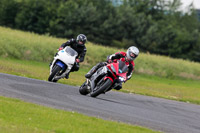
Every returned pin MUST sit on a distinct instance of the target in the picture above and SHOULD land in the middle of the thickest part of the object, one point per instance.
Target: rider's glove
(61, 48)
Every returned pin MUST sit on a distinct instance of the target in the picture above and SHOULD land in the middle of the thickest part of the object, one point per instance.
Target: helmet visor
(81, 42)
(132, 55)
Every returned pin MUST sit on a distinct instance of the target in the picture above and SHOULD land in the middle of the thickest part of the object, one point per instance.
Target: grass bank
(28, 46)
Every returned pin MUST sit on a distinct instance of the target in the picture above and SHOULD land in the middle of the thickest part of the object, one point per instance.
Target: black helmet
(81, 39)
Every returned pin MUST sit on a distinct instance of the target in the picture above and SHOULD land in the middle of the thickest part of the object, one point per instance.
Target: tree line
(154, 26)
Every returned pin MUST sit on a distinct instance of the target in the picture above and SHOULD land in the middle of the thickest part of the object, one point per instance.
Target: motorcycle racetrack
(154, 113)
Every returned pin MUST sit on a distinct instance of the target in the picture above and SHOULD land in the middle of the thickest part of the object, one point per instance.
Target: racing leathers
(80, 49)
(122, 56)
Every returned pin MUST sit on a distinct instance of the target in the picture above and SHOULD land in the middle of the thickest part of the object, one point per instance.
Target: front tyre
(55, 72)
(101, 88)
(83, 89)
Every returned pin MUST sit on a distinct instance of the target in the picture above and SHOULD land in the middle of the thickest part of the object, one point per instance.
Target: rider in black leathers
(78, 45)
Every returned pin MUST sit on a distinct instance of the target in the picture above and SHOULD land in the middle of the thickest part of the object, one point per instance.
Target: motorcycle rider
(127, 57)
(78, 45)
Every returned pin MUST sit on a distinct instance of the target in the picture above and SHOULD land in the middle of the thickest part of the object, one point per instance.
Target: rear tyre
(101, 89)
(55, 80)
(55, 71)
(83, 89)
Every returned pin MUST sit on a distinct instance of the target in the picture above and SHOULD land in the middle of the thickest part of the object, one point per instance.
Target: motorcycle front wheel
(101, 88)
(55, 71)
(83, 89)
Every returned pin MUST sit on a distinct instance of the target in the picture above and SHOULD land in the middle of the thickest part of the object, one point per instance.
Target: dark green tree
(34, 16)
(8, 11)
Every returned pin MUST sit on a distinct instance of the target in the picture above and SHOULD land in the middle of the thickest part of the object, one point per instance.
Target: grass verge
(17, 116)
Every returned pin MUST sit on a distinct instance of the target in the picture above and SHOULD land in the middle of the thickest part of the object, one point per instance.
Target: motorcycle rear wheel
(55, 71)
(107, 83)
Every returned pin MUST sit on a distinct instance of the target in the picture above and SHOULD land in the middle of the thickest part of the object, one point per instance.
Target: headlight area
(121, 79)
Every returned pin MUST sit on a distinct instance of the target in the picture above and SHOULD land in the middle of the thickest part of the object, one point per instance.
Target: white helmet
(132, 53)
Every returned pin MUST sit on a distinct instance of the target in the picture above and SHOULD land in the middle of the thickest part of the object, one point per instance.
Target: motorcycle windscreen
(122, 67)
(71, 51)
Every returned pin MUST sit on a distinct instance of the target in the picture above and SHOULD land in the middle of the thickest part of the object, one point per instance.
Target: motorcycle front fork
(88, 86)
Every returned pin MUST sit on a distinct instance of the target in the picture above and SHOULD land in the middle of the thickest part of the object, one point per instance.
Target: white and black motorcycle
(62, 64)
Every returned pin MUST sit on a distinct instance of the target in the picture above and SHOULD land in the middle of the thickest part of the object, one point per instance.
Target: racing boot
(91, 72)
(67, 76)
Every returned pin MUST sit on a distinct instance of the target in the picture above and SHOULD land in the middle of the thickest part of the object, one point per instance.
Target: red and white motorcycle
(104, 79)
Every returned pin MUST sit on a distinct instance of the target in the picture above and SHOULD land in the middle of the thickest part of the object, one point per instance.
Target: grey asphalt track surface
(154, 113)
